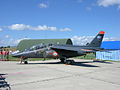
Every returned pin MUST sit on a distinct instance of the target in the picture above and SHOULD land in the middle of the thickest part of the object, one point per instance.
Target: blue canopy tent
(111, 45)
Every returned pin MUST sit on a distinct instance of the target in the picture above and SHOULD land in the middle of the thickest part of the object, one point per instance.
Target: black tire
(69, 62)
(62, 60)
(25, 62)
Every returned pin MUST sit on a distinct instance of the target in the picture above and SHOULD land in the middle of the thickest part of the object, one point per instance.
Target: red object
(101, 32)
(4, 53)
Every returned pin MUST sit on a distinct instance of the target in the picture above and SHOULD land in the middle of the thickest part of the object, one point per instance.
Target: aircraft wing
(70, 51)
(62, 47)
(65, 51)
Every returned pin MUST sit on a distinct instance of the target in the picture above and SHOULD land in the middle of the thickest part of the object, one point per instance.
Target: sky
(56, 19)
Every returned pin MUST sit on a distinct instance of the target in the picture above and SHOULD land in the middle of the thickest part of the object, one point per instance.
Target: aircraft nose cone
(16, 55)
(21, 54)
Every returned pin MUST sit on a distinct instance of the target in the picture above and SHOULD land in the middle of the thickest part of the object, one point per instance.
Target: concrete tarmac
(52, 75)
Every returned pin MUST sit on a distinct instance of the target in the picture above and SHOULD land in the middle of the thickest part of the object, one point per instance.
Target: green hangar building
(27, 43)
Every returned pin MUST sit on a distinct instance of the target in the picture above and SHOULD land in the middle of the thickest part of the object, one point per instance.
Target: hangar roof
(27, 43)
(111, 44)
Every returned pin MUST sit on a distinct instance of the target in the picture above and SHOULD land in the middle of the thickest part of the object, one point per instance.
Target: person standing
(1, 51)
(7, 54)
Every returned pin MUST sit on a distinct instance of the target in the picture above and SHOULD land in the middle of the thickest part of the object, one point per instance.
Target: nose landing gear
(23, 59)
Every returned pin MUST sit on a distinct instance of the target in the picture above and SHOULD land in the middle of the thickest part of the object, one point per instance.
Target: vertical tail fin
(96, 42)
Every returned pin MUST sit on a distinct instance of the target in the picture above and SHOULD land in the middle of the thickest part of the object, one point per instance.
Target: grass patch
(30, 59)
(39, 59)
(88, 56)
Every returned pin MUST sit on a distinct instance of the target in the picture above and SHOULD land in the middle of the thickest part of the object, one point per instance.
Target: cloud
(1, 29)
(43, 5)
(1, 42)
(119, 7)
(65, 29)
(83, 40)
(7, 36)
(106, 3)
(88, 8)
(11, 42)
(43, 28)
(18, 40)
(111, 39)
(20, 27)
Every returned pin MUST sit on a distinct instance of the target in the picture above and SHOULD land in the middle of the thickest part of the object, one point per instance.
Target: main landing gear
(24, 60)
(65, 61)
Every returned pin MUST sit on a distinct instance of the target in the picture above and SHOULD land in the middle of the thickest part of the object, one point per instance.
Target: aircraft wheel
(69, 62)
(25, 62)
(63, 60)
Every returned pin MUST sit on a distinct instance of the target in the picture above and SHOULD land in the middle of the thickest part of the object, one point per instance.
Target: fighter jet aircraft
(63, 52)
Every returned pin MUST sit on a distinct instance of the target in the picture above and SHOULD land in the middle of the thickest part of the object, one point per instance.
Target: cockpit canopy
(40, 46)
(35, 47)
